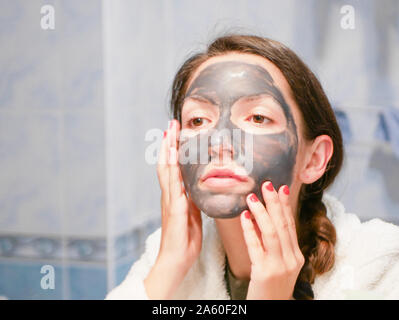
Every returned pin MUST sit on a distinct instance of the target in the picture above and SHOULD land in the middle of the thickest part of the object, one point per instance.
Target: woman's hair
(316, 233)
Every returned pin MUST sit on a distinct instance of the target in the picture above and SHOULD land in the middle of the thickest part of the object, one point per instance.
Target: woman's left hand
(271, 238)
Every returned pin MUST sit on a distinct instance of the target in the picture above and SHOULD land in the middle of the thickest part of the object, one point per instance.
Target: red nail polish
(269, 186)
(164, 133)
(286, 190)
(253, 197)
(247, 214)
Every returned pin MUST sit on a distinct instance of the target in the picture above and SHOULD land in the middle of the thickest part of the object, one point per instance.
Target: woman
(259, 229)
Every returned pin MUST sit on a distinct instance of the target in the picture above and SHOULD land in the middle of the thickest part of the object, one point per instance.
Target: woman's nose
(221, 147)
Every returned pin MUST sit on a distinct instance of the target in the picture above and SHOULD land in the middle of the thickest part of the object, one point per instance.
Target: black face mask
(273, 154)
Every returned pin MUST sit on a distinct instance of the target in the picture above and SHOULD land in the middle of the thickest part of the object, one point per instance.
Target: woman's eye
(197, 122)
(259, 119)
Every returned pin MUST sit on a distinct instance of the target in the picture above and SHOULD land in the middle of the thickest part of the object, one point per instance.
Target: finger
(258, 232)
(174, 127)
(269, 235)
(275, 210)
(195, 219)
(162, 166)
(175, 183)
(284, 192)
(254, 245)
(183, 188)
(175, 178)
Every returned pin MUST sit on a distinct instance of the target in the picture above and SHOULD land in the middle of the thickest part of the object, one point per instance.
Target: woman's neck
(231, 234)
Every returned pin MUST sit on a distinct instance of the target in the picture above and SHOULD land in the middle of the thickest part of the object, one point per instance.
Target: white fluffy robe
(366, 263)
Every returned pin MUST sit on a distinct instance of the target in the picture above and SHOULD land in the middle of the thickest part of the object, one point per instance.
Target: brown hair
(316, 233)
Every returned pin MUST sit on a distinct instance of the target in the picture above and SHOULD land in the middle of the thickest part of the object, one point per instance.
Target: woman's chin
(223, 206)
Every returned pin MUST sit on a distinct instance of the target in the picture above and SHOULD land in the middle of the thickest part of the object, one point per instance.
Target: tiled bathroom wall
(80, 104)
(52, 190)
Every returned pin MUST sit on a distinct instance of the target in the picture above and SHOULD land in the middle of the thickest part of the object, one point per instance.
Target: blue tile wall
(87, 282)
(123, 268)
(21, 280)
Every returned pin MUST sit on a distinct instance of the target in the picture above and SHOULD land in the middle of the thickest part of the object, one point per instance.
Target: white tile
(30, 173)
(84, 178)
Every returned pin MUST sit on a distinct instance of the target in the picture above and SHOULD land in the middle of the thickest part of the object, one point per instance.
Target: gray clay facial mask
(222, 85)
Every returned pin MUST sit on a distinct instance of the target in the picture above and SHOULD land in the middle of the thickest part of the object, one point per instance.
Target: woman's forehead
(274, 72)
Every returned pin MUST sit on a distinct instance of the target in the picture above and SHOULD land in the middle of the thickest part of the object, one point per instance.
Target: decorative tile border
(76, 249)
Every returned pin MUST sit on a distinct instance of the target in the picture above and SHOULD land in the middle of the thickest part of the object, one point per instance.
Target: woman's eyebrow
(255, 97)
(203, 99)
(260, 97)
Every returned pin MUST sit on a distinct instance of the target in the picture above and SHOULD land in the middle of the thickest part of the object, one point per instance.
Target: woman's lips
(222, 178)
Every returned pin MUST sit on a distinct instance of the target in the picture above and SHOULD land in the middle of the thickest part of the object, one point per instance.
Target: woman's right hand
(181, 238)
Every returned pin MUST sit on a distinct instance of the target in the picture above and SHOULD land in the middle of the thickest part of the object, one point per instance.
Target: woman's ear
(318, 156)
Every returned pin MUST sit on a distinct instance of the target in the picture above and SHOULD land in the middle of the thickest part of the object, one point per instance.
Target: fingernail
(253, 197)
(171, 124)
(286, 190)
(164, 133)
(269, 186)
(247, 214)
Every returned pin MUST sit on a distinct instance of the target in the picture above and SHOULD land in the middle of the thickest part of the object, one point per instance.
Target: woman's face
(239, 129)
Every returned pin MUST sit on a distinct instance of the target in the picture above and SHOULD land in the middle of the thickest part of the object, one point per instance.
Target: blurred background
(79, 93)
